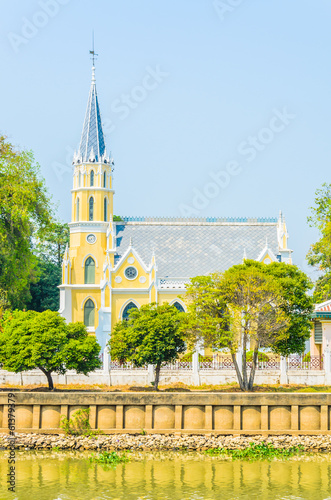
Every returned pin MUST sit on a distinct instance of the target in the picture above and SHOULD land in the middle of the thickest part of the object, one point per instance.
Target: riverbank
(320, 443)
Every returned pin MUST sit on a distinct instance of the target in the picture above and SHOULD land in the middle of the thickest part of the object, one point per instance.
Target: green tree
(236, 308)
(319, 254)
(151, 335)
(30, 340)
(44, 291)
(25, 213)
(297, 304)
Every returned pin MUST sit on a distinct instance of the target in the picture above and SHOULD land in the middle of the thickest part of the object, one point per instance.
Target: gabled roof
(186, 248)
(92, 144)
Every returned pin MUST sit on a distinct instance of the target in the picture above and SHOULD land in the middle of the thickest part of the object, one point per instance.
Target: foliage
(151, 335)
(30, 340)
(25, 213)
(188, 357)
(297, 304)
(307, 357)
(117, 218)
(319, 254)
(78, 424)
(262, 451)
(262, 356)
(230, 309)
(45, 293)
(109, 458)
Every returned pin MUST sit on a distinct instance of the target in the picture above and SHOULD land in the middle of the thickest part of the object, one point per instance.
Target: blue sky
(190, 91)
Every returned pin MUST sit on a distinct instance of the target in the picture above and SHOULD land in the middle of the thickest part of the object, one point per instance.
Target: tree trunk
(254, 363)
(157, 375)
(239, 376)
(244, 363)
(49, 378)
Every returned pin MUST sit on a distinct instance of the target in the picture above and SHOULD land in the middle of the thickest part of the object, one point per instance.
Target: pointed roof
(92, 144)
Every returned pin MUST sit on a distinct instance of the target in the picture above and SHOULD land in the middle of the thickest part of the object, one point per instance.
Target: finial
(94, 55)
(266, 241)
(244, 256)
(130, 241)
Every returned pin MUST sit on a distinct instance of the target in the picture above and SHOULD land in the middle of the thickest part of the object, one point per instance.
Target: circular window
(91, 238)
(131, 273)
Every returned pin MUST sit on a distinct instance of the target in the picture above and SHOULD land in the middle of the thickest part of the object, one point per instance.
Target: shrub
(262, 356)
(78, 424)
(307, 357)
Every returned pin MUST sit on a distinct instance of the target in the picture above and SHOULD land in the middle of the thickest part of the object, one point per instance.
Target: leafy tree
(297, 304)
(30, 340)
(319, 254)
(25, 213)
(151, 335)
(44, 291)
(232, 309)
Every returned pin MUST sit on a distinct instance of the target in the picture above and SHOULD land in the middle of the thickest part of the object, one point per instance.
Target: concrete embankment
(161, 442)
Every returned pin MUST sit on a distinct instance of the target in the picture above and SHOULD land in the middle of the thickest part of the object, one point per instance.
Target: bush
(262, 356)
(78, 424)
(307, 357)
(188, 357)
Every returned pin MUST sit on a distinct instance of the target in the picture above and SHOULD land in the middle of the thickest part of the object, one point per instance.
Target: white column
(327, 364)
(106, 365)
(195, 368)
(283, 371)
(150, 374)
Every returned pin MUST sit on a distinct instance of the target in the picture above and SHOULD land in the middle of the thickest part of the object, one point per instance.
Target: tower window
(127, 309)
(90, 208)
(104, 179)
(89, 313)
(105, 203)
(77, 210)
(79, 179)
(92, 178)
(89, 271)
(179, 307)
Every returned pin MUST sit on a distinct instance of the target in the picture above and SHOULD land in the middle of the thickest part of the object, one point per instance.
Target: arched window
(77, 209)
(104, 179)
(179, 307)
(89, 271)
(105, 203)
(79, 179)
(89, 313)
(92, 178)
(90, 208)
(127, 309)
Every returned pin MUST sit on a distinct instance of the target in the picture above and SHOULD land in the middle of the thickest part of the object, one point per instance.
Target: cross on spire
(92, 52)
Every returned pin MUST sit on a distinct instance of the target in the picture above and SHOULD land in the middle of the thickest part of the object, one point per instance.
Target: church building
(112, 265)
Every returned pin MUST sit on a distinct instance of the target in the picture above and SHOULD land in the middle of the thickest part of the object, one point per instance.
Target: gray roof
(92, 144)
(187, 248)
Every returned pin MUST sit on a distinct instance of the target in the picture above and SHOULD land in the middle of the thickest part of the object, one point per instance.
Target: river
(164, 476)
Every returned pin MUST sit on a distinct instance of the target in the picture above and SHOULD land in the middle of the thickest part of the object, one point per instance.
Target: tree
(44, 290)
(297, 304)
(232, 309)
(25, 213)
(319, 254)
(30, 340)
(151, 335)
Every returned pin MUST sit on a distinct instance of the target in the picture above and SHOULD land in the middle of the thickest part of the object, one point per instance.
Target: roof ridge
(200, 219)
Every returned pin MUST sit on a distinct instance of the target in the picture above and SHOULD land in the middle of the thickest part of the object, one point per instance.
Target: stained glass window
(89, 313)
(91, 207)
(130, 272)
(127, 309)
(92, 178)
(77, 210)
(105, 209)
(104, 179)
(89, 271)
(179, 307)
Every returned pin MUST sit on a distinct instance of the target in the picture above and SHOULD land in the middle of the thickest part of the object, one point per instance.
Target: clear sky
(211, 108)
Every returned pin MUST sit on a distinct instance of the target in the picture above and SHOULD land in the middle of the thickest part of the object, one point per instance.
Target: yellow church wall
(79, 298)
(80, 249)
(171, 297)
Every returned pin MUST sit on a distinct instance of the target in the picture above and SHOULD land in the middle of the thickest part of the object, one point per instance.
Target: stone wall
(221, 413)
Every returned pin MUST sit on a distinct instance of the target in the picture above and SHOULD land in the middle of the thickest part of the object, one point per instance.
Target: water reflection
(66, 476)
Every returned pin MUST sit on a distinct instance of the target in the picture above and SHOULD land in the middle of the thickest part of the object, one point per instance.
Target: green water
(69, 475)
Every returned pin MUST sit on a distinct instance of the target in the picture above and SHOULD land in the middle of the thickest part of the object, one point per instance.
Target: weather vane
(94, 55)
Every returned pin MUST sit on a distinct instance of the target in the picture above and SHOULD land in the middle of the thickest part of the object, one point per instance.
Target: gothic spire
(92, 144)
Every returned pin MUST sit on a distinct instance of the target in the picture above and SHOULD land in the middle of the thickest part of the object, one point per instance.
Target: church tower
(84, 293)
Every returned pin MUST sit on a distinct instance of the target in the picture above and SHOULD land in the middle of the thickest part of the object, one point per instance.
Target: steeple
(92, 144)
